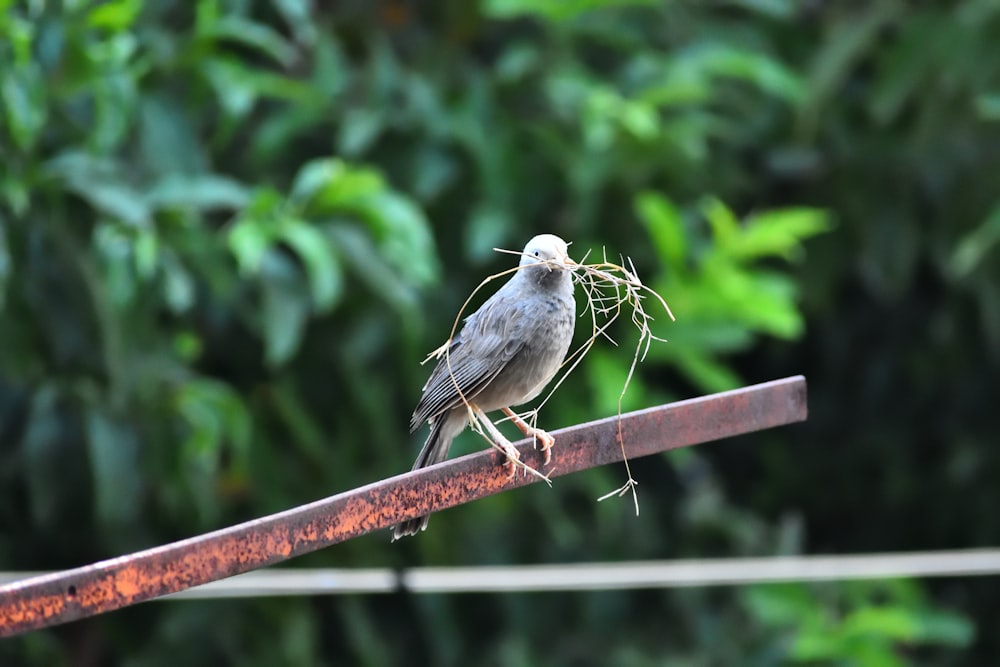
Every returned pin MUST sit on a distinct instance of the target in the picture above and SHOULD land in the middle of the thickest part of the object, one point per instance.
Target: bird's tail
(435, 450)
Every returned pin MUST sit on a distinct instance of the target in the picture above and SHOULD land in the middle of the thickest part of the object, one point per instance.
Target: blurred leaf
(971, 248)
(778, 232)
(178, 285)
(607, 377)
(665, 226)
(359, 129)
(371, 268)
(780, 604)
(118, 201)
(725, 226)
(298, 16)
(330, 185)
(248, 33)
(487, 230)
(763, 72)
(42, 447)
(187, 345)
(552, 10)
(239, 87)
(24, 103)
(945, 628)
(249, 240)
(403, 235)
(205, 192)
(114, 15)
(113, 246)
(888, 622)
(845, 42)
(711, 376)
(115, 467)
(115, 97)
(215, 417)
(988, 106)
(167, 139)
(321, 261)
(285, 308)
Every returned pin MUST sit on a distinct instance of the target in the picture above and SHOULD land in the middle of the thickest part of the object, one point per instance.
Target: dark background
(230, 231)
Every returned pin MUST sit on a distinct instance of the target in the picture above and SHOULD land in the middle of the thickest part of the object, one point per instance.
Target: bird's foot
(498, 440)
(546, 441)
(536, 434)
(513, 459)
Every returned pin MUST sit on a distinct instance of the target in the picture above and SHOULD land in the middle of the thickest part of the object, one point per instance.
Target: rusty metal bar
(119, 582)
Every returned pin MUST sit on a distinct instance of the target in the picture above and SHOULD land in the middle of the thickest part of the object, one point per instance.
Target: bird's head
(549, 250)
(546, 259)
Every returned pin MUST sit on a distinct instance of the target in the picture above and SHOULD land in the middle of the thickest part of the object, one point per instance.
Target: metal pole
(119, 582)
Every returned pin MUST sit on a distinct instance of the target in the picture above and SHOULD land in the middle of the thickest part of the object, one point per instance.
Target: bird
(504, 355)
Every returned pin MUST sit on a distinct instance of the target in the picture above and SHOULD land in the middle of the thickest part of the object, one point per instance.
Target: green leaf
(607, 377)
(215, 416)
(298, 16)
(706, 373)
(403, 235)
(168, 141)
(178, 285)
(973, 247)
(116, 200)
(205, 192)
(780, 604)
(778, 232)
(115, 466)
(359, 129)
(187, 346)
(114, 15)
(113, 247)
(487, 229)
(115, 100)
(765, 73)
(22, 90)
(42, 449)
(285, 309)
(894, 623)
(248, 33)
(988, 106)
(371, 268)
(665, 226)
(944, 627)
(552, 10)
(330, 185)
(249, 239)
(320, 259)
(725, 226)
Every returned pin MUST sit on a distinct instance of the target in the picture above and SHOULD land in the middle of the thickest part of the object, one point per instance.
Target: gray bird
(504, 355)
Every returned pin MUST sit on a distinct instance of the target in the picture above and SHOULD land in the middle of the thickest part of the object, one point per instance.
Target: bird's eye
(537, 253)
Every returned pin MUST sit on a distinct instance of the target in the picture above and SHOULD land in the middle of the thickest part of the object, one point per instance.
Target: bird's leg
(498, 440)
(534, 433)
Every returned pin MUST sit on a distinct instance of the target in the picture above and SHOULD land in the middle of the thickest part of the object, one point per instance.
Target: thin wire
(593, 576)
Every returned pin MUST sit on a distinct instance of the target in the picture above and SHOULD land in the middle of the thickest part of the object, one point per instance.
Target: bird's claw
(513, 458)
(544, 442)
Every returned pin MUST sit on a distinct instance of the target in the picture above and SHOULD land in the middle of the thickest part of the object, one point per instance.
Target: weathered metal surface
(119, 582)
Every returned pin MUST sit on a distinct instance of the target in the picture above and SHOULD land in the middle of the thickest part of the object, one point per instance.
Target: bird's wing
(489, 339)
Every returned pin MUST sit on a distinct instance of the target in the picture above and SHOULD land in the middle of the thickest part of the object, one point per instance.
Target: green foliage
(229, 230)
(718, 285)
(858, 623)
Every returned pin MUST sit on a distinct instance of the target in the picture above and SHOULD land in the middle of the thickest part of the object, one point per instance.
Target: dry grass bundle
(610, 289)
